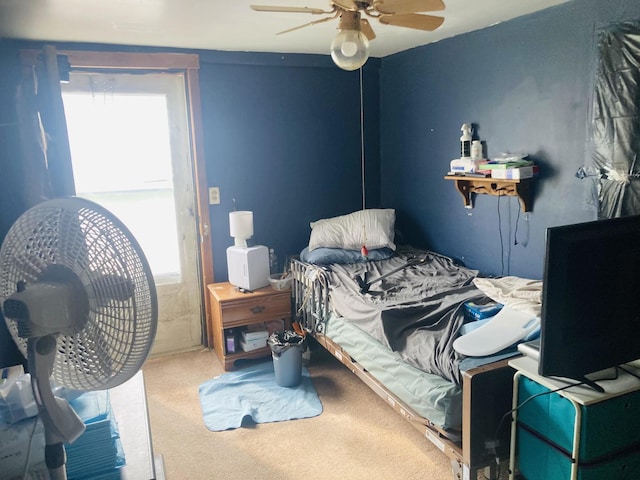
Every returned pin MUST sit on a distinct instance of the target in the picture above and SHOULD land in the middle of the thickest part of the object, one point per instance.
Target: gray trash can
(286, 350)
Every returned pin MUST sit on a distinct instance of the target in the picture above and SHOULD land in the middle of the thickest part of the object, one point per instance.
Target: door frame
(189, 64)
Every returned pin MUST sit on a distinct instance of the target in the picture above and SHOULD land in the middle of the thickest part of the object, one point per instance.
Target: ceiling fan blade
(365, 28)
(322, 20)
(268, 8)
(413, 20)
(408, 6)
(346, 4)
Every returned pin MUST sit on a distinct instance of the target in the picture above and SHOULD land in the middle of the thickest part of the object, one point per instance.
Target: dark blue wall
(11, 200)
(282, 138)
(527, 87)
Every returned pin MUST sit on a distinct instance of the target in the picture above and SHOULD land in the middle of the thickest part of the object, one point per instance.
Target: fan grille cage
(99, 250)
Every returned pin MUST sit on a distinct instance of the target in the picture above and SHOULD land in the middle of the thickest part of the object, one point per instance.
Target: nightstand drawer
(256, 310)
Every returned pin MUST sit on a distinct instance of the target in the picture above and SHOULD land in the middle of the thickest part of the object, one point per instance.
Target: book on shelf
(475, 174)
(518, 173)
(495, 165)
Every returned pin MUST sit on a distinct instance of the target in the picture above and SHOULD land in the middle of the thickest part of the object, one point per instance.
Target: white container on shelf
(476, 150)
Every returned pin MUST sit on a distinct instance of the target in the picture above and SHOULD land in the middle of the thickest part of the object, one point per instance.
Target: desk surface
(129, 404)
(625, 383)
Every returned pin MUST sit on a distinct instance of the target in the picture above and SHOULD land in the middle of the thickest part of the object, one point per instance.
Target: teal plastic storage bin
(609, 436)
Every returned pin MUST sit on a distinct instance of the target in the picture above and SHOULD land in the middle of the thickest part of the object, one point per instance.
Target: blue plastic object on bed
(253, 394)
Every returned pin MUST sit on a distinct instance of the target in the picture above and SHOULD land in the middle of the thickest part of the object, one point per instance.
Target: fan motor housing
(47, 308)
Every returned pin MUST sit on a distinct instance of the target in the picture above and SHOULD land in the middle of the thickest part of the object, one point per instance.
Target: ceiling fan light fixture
(350, 49)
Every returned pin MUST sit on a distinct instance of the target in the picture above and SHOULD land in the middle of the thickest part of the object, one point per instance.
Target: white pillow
(373, 228)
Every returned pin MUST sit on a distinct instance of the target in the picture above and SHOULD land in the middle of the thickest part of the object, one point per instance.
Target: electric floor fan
(79, 300)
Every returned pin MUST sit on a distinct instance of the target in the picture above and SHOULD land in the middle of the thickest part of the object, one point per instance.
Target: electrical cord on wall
(504, 244)
(515, 233)
(501, 239)
(509, 225)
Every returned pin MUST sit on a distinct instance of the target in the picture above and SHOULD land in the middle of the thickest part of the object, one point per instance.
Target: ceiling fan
(350, 48)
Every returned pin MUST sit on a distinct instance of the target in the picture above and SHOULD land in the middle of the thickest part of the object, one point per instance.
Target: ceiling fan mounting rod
(364, 5)
(349, 21)
(354, 5)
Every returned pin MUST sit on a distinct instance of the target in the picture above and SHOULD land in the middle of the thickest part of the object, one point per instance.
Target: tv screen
(590, 297)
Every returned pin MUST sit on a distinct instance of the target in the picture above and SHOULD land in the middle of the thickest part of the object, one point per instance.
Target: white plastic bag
(16, 400)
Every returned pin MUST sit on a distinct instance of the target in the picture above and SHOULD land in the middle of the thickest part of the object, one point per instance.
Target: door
(130, 149)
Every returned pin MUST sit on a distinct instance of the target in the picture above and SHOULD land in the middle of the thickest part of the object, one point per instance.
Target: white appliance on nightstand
(248, 267)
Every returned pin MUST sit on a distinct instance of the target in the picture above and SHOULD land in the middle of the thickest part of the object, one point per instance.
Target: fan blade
(306, 25)
(346, 4)
(267, 8)
(413, 20)
(408, 6)
(365, 28)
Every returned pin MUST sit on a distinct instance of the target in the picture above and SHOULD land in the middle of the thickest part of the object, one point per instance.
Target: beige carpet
(358, 436)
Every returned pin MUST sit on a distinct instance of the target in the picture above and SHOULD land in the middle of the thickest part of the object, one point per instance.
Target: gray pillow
(327, 256)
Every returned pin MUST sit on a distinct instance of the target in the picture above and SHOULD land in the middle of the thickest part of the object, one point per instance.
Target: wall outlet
(214, 195)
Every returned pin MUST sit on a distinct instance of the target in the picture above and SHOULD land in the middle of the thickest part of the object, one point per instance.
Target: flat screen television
(590, 298)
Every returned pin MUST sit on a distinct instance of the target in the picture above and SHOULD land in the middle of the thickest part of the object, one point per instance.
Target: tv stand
(590, 383)
(598, 440)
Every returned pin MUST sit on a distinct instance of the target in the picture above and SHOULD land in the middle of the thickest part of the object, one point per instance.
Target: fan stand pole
(55, 457)
(61, 423)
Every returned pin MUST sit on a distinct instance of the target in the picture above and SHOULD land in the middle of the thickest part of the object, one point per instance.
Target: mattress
(415, 311)
(427, 394)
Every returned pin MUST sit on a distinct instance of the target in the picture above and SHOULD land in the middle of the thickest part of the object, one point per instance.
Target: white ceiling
(231, 25)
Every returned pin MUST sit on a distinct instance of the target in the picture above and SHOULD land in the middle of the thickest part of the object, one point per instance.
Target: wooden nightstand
(232, 309)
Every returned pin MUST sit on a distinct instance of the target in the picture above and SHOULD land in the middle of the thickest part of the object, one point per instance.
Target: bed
(397, 336)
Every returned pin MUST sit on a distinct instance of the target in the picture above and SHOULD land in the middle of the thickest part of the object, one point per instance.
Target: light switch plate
(214, 195)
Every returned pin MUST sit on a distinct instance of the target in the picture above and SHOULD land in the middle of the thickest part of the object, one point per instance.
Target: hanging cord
(515, 234)
(509, 226)
(27, 462)
(364, 203)
(501, 239)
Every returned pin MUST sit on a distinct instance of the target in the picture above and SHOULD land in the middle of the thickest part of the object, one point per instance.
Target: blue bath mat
(253, 393)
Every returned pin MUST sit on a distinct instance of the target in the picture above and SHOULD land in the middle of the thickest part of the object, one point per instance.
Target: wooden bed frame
(486, 392)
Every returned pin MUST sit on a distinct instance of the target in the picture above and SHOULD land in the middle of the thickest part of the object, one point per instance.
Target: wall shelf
(493, 186)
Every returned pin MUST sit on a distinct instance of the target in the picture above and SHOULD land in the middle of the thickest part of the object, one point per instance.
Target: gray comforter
(416, 312)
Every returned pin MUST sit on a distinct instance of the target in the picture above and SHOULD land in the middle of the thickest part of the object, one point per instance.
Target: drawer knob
(257, 309)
